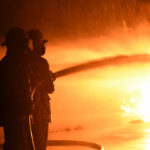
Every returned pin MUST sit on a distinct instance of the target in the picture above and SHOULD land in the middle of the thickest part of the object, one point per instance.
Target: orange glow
(139, 102)
(105, 85)
(110, 103)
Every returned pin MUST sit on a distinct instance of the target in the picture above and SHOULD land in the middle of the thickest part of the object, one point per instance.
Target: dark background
(67, 19)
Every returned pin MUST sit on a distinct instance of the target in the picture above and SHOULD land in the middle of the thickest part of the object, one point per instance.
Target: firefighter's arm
(51, 82)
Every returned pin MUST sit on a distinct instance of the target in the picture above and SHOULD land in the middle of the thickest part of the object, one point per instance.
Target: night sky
(67, 19)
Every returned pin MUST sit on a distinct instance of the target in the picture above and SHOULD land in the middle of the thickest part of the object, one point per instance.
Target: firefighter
(42, 83)
(15, 99)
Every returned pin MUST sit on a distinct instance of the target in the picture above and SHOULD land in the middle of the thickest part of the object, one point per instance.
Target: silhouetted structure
(15, 99)
(42, 85)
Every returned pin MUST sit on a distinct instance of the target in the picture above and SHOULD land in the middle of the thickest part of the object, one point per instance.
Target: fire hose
(70, 143)
(108, 61)
(73, 143)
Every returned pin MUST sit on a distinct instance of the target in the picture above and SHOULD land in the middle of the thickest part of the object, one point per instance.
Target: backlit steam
(121, 50)
(139, 102)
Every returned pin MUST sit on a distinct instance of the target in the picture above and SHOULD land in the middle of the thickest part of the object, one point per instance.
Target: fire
(139, 104)
(143, 106)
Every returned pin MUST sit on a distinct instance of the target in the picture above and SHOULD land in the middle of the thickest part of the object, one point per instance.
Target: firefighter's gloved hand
(52, 76)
